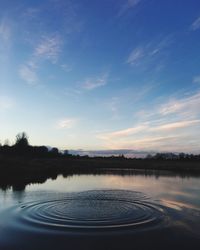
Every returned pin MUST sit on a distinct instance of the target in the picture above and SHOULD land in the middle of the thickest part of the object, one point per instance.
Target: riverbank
(59, 165)
(21, 171)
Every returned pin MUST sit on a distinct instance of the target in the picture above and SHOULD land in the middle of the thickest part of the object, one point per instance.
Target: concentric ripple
(99, 209)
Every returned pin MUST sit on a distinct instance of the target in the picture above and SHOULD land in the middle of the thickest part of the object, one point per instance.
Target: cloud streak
(93, 83)
(48, 48)
(66, 123)
(148, 53)
(135, 56)
(123, 133)
(188, 105)
(148, 127)
(196, 24)
(173, 125)
(129, 4)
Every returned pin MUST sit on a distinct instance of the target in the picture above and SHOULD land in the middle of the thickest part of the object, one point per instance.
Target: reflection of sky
(174, 191)
(171, 188)
(175, 206)
(177, 198)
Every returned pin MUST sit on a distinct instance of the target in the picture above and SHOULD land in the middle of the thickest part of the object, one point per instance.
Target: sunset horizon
(115, 75)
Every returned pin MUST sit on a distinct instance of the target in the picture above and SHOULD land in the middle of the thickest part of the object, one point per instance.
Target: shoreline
(19, 172)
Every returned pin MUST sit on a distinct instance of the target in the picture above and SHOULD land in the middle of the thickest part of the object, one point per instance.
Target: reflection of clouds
(169, 188)
(176, 192)
(176, 195)
(124, 182)
(177, 205)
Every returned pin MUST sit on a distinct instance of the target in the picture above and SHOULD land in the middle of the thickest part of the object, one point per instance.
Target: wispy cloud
(48, 48)
(93, 83)
(47, 42)
(146, 140)
(196, 24)
(189, 105)
(123, 133)
(148, 53)
(173, 125)
(66, 123)
(161, 143)
(127, 5)
(135, 56)
(173, 108)
(88, 84)
(148, 128)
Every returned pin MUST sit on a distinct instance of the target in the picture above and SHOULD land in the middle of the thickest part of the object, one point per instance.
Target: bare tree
(21, 140)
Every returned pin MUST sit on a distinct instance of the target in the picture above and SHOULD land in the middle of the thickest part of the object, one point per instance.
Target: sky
(101, 75)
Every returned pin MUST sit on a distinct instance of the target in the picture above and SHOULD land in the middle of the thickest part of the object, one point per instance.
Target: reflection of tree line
(17, 184)
(20, 184)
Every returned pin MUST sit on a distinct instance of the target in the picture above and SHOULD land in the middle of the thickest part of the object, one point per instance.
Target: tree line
(173, 156)
(21, 147)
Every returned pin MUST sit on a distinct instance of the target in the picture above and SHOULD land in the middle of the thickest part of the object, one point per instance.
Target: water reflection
(120, 211)
(21, 183)
(92, 210)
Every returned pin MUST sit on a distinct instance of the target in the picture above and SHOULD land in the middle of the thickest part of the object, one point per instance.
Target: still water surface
(104, 211)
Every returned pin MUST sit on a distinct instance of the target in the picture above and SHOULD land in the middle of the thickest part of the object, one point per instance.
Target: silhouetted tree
(21, 146)
(54, 152)
(21, 140)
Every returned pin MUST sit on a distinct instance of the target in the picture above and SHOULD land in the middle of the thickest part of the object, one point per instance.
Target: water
(103, 211)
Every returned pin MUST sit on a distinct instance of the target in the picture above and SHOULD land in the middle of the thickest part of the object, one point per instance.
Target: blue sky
(110, 74)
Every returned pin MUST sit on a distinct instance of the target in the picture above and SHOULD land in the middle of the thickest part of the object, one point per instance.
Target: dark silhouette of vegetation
(21, 140)
(23, 163)
(21, 148)
(172, 156)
